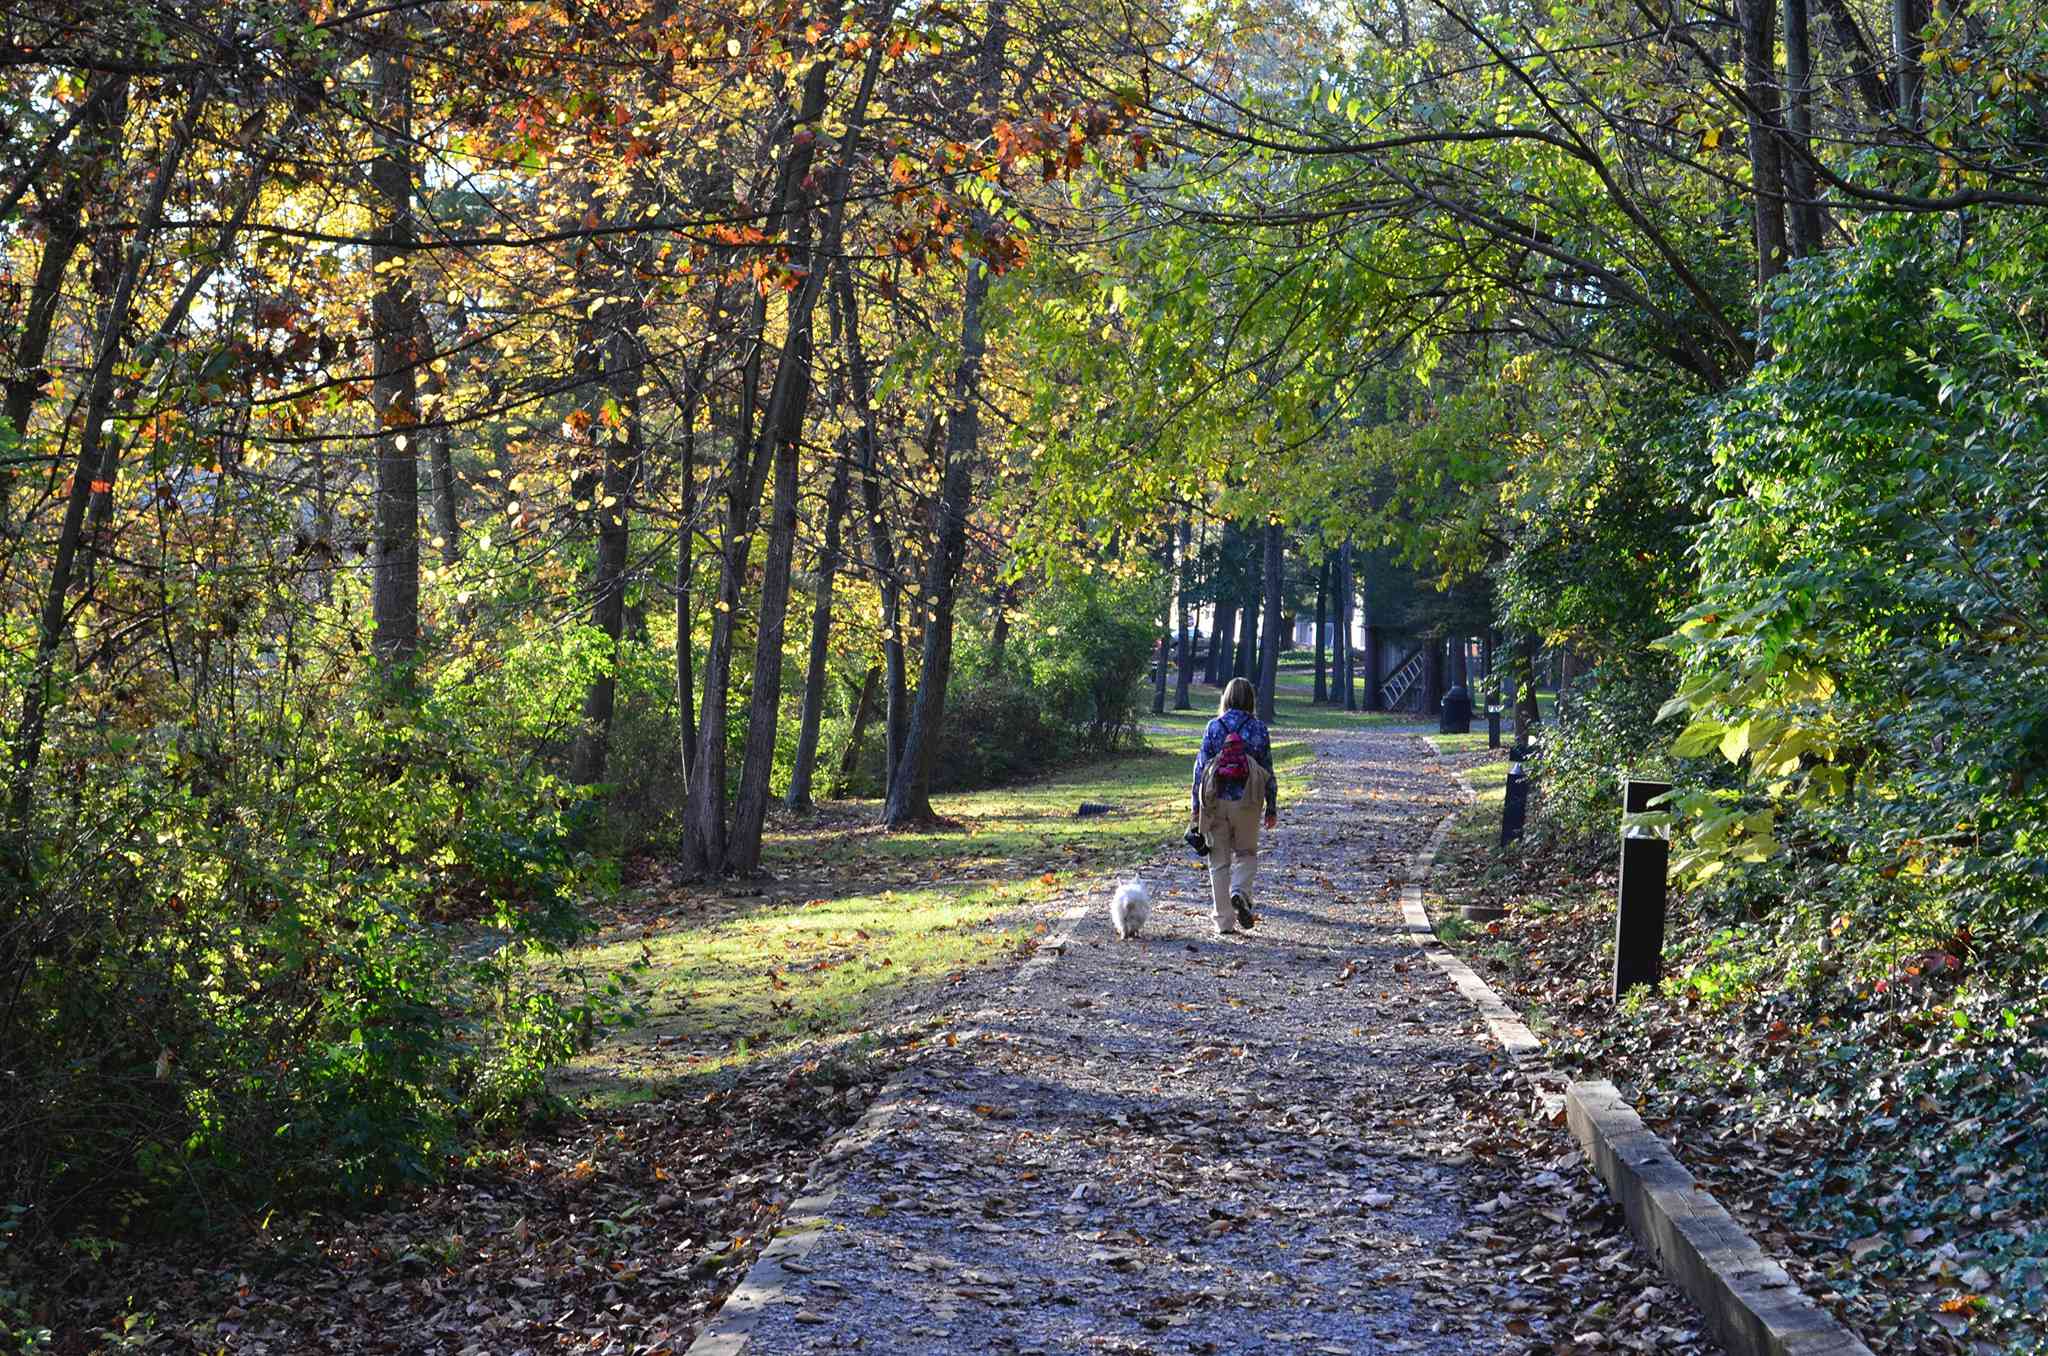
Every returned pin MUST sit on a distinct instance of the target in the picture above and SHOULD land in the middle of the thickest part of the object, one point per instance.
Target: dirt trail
(1295, 1140)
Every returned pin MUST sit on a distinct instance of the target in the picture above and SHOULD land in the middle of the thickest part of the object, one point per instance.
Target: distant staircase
(1404, 679)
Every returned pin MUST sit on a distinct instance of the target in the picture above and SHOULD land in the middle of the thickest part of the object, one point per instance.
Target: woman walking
(1233, 780)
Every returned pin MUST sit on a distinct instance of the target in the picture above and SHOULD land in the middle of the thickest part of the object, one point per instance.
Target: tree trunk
(1526, 710)
(1374, 677)
(1340, 631)
(1184, 669)
(394, 398)
(1165, 628)
(764, 709)
(686, 685)
(758, 444)
(1223, 628)
(751, 813)
(440, 455)
(1322, 625)
(910, 797)
(1433, 678)
(1766, 171)
(1865, 68)
(1244, 661)
(1350, 575)
(798, 797)
(1461, 662)
(1276, 587)
(784, 424)
(1909, 19)
(63, 232)
(881, 545)
(910, 791)
(52, 618)
(1802, 216)
(863, 712)
(617, 453)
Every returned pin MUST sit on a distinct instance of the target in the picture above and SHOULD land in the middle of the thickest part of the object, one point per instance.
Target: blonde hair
(1238, 695)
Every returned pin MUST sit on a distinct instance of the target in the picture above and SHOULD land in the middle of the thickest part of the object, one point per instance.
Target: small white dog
(1129, 907)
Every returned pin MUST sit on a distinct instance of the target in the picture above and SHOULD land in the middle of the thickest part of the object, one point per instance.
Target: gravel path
(1296, 1140)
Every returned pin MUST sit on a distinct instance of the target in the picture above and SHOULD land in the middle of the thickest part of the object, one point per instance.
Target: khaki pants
(1232, 828)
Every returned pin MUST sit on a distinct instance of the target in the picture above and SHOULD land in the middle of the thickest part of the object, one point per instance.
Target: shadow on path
(1260, 1143)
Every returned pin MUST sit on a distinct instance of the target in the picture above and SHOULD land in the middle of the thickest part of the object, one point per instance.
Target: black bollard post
(1514, 807)
(1493, 726)
(1640, 896)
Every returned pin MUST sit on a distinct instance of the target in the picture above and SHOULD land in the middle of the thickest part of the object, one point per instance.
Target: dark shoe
(1245, 917)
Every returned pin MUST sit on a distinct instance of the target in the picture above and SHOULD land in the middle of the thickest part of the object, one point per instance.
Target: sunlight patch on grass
(730, 989)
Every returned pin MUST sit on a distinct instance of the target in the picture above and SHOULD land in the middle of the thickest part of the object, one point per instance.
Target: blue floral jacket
(1253, 731)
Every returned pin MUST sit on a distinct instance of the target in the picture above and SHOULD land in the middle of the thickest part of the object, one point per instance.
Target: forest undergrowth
(1885, 1135)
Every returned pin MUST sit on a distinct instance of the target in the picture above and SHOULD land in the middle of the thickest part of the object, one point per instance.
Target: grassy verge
(1294, 713)
(857, 924)
(1472, 868)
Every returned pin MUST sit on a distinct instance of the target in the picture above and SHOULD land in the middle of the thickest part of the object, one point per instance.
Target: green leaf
(1697, 738)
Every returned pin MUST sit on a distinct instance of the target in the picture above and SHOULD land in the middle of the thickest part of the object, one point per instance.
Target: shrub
(1867, 663)
(233, 969)
(644, 767)
(997, 731)
(1088, 642)
(1607, 728)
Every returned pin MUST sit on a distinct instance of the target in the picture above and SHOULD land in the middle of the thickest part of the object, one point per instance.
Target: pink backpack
(1233, 765)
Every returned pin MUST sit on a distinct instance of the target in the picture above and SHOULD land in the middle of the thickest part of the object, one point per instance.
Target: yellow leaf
(1711, 139)
(1735, 743)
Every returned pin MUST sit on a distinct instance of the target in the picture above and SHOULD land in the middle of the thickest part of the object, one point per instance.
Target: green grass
(1489, 781)
(1293, 712)
(1472, 850)
(856, 923)
(1474, 742)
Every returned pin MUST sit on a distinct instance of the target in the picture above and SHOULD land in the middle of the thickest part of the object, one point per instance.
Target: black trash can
(1457, 714)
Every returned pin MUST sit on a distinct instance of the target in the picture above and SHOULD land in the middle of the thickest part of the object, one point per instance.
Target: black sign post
(1514, 807)
(1639, 905)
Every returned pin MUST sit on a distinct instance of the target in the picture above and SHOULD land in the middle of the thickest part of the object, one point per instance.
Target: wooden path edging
(731, 1326)
(1748, 1299)
(1520, 1043)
